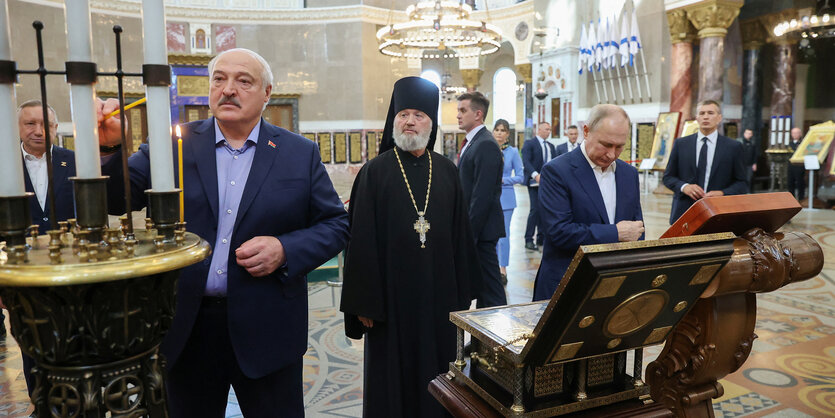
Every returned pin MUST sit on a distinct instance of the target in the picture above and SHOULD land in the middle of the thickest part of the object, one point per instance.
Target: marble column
(525, 70)
(801, 72)
(753, 38)
(785, 57)
(471, 78)
(712, 19)
(681, 59)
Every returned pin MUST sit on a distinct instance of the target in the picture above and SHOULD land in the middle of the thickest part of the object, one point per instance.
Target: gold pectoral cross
(421, 227)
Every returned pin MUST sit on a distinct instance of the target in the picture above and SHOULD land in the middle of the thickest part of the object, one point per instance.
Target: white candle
(773, 130)
(82, 96)
(159, 103)
(11, 165)
(785, 120)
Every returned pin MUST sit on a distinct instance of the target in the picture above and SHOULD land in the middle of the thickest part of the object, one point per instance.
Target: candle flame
(179, 134)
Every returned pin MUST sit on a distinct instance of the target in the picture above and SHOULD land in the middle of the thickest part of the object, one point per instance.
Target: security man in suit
(704, 164)
(588, 196)
(572, 133)
(261, 196)
(480, 171)
(535, 153)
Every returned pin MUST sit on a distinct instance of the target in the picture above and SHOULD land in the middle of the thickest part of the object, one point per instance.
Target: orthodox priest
(410, 260)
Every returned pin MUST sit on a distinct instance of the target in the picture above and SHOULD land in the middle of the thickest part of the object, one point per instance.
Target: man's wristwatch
(104, 149)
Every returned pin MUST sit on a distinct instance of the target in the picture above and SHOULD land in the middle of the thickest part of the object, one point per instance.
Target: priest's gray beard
(410, 142)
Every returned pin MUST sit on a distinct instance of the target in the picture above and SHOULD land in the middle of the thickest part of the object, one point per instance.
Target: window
(504, 95)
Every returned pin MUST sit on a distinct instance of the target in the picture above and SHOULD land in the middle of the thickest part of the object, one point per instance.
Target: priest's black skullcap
(412, 93)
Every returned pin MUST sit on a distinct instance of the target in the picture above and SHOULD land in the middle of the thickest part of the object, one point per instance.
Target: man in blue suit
(588, 196)
(704, 164)
(261, 196)
(535, 153)
(572, 133)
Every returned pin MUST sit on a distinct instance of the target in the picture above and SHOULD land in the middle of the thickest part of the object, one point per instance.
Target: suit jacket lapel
(59, 171)
(715, 164)
(588, 182)
(621, 191)
(202, 147)
(265, 155)
(34, 205)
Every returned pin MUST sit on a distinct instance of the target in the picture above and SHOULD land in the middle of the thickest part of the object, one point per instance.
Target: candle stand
(90, 304)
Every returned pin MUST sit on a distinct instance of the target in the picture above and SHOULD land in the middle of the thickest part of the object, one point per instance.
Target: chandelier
(439, 29)
(820, 25)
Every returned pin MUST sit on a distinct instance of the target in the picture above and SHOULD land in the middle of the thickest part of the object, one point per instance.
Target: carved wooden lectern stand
(693, 289)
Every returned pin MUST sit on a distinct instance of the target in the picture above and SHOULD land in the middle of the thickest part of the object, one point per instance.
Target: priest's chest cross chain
(421, 225)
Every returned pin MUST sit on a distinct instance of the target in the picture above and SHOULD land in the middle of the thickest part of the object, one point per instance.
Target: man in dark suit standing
(480, 171)
(572, 133)
(588, 196)
(704, 164)
(33, 146)
(261, 196)
(796, 172)
(750, 153)
(535, 153)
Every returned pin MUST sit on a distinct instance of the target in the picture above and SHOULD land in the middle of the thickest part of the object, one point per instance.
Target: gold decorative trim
(659, 280)
(635, 313)
(585, 322)
(704, 274)
(189, 59)
(285, 95)
(657, 335)
(690, 239)
(38, 272)
(567, 351)
(613, 343)
(680, 306)
(608, 287)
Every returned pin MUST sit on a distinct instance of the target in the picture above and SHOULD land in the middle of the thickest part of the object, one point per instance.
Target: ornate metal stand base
(778, 162)
(93, 318)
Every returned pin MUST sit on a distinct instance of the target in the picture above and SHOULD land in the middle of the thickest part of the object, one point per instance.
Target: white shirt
(37, 173)
(711, 150)
(470, 135)
(546, 156)
(606, 183)
(572, 146)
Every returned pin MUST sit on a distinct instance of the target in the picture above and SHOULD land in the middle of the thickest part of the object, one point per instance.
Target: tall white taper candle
(773, 130)
(11, 165)
(82, 96)
(159, 103)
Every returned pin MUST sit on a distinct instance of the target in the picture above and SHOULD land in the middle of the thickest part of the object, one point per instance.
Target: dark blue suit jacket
(573, 213)
(562, 149)
(727, 172)
(63, 167)
(288, 195)
(532, 158)
(480, 171)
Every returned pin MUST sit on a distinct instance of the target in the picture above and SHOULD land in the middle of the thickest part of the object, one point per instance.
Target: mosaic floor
(791, 372)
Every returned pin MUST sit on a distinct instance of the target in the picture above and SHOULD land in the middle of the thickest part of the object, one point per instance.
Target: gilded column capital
(753, 34)
(525, 70)
(681, 30)
(771, 20)
(713, 17)
(471, 78)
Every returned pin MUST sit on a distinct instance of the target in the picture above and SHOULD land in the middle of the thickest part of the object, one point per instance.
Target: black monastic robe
(407, 290)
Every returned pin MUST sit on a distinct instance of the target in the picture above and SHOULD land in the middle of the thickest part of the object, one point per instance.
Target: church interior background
(333, 86)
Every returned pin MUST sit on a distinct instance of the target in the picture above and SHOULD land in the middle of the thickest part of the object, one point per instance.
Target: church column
(526, 71)
(712, 18)
(753, 38)
(681, 35)
(471, 78)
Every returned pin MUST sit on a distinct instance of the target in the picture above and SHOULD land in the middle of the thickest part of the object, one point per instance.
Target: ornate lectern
(570, 354)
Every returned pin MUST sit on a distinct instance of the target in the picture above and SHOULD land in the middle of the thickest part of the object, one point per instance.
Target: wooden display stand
(567, 356)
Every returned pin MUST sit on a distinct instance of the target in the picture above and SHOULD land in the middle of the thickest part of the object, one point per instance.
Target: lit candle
(159, 103)
(11, 165)
(82, 97)
(773, 130)
(180, 172)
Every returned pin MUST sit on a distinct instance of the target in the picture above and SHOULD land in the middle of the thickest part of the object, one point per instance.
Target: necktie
(701, 165)
(463, 144)
(547, 154)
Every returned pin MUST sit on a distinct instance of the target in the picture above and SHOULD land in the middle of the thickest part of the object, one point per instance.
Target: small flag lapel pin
(63, 163)
(271, 143)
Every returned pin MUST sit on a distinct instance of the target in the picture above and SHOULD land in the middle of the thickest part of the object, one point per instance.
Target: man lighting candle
(261, 195)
